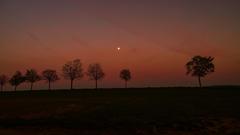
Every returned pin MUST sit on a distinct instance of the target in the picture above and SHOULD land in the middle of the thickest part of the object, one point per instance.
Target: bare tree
(50, 76)
(200, 66)
(3, 81)
(32, 76)
(72, 70)
(95, 72)
(17, 79)
(125, 75)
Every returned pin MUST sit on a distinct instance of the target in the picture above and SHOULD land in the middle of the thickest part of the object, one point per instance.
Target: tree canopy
(200, 66)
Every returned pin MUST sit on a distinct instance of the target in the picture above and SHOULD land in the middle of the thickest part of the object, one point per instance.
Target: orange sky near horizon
(156, 38)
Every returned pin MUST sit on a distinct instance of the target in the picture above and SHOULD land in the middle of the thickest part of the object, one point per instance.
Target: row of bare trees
(72, 71)
(198, 66)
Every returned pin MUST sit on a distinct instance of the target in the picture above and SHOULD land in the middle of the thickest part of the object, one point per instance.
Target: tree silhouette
(17, 79)
(125, 75)
(50, 76)
(32, 76)
(95, 72)
(200, 66)
(3, 81)
(72, 70)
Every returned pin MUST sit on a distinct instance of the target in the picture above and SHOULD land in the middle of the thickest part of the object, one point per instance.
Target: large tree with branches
(200, 66)
(95, 72)
(125, 75)
(72, 70)
(50, 76)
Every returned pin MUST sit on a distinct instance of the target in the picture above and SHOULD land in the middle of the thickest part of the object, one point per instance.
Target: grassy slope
(118, 109)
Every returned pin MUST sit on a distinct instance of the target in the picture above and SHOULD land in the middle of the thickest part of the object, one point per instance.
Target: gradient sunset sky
(157, 38)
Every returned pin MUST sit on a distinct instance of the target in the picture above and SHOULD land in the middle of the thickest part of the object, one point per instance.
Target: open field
(144, 111)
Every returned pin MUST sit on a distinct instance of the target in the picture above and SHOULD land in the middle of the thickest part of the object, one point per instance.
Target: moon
(118, 48)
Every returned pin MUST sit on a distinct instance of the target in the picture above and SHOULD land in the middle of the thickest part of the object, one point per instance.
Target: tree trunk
(49, 85)
(96, 78)
(96, 83)
(15, 88)
(1, 88)
(199, 81)
(125, 84)
(71, 84)
(31, 86)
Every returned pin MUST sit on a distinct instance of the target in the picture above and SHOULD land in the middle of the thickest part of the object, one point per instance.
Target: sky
(156, 37)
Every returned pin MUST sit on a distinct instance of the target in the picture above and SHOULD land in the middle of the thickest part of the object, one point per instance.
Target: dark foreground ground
(149, 111)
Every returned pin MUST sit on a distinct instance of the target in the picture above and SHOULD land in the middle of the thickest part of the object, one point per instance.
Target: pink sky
(156, 38)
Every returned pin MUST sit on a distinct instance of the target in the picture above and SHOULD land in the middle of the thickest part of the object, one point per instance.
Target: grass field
(145, 111)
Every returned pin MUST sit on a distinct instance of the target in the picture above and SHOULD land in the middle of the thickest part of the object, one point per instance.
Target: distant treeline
(198, 66)
(71, 71)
